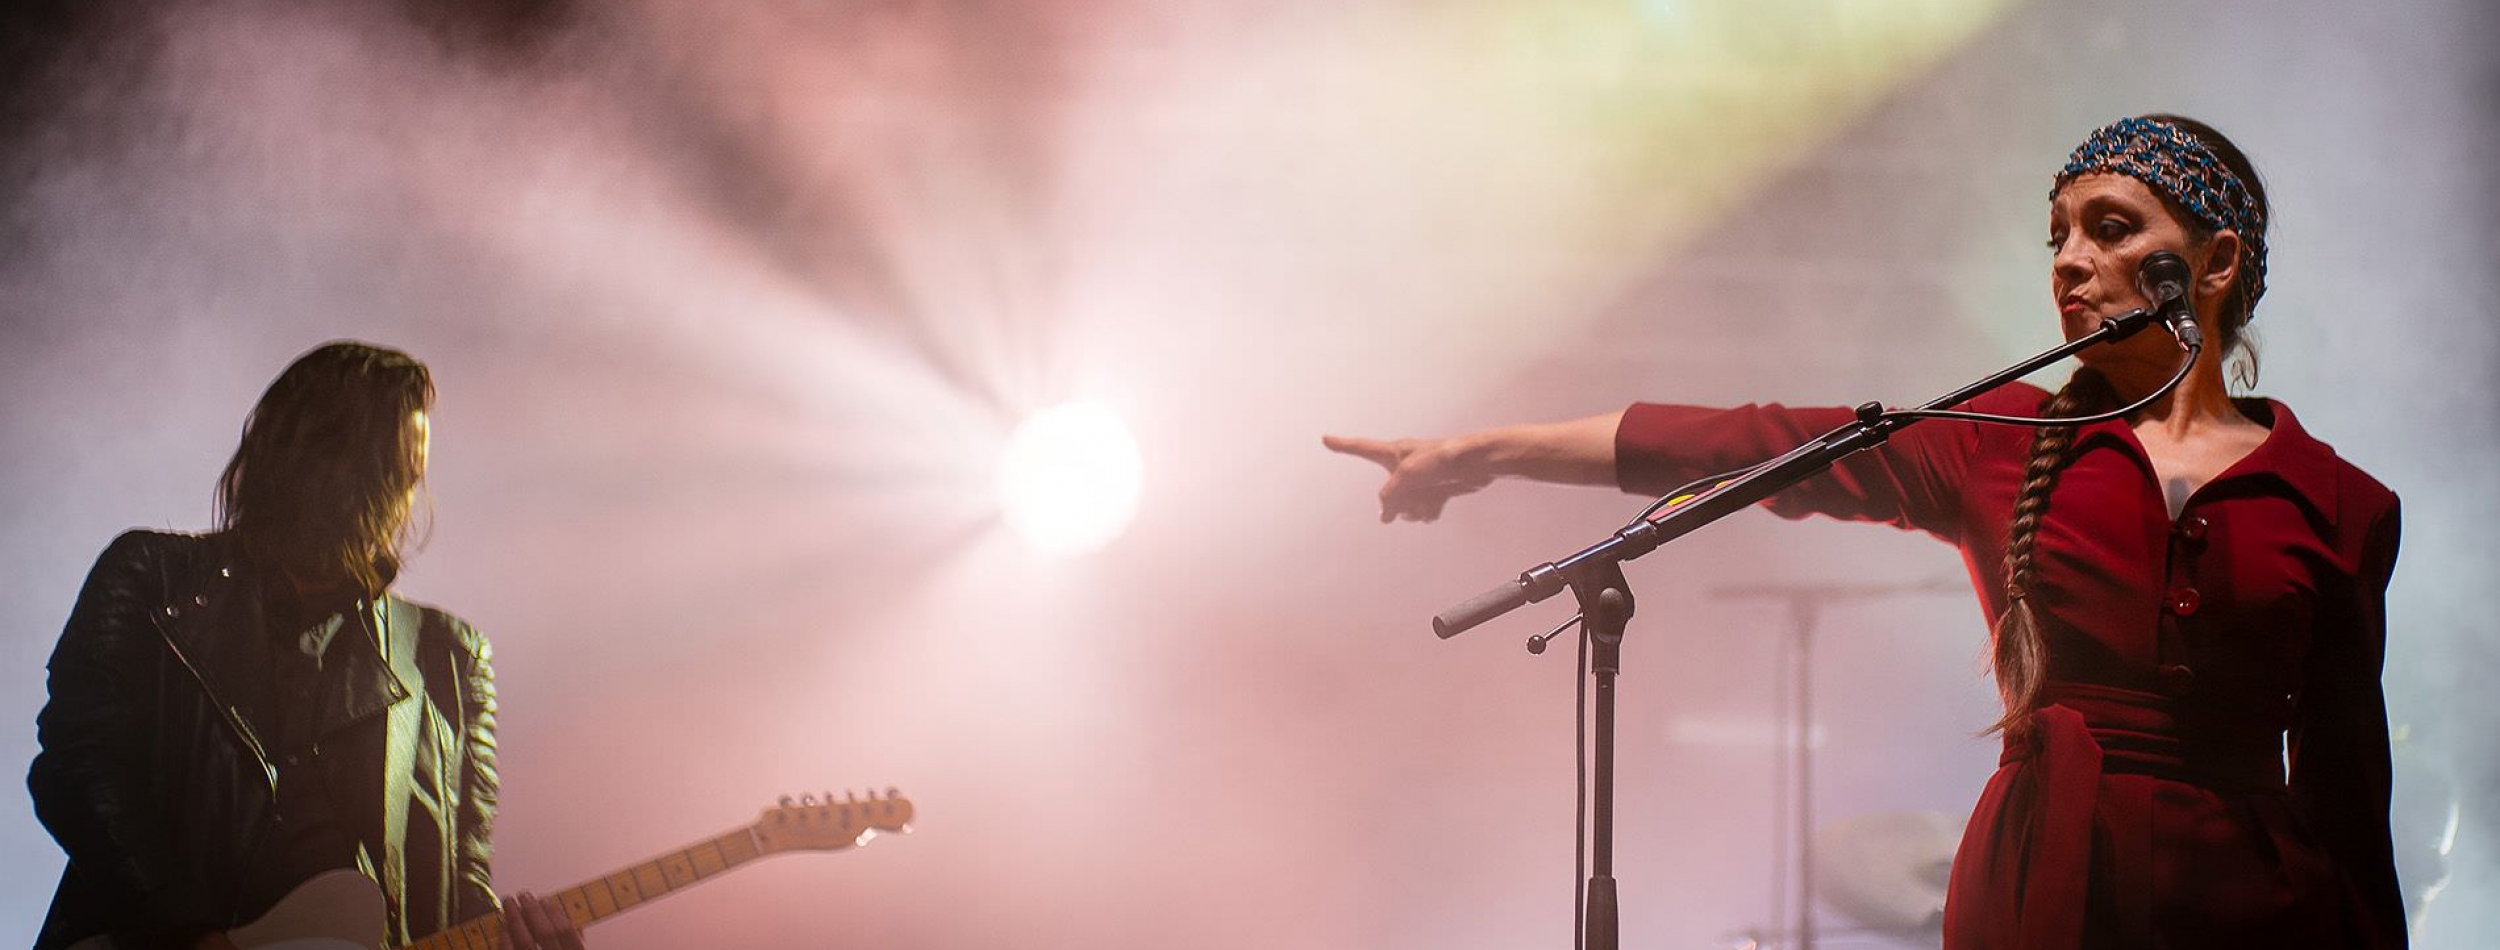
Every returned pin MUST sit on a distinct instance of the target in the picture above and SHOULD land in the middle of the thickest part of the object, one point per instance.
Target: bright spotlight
(1070, 479)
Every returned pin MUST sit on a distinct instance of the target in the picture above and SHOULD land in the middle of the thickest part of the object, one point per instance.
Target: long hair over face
(324, 483)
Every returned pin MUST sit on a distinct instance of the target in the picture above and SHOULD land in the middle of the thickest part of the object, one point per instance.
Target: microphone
(2163, 276)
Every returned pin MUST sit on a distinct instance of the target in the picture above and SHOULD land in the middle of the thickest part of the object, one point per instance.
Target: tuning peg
(785, 801)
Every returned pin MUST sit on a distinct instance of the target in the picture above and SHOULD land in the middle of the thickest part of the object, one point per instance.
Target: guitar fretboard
(607, 896)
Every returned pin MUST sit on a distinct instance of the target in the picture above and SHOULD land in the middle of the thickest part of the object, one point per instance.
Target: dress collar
(2288, 453)
(2291, 454)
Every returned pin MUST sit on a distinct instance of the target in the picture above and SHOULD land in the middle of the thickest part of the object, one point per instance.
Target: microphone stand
(1595, 578)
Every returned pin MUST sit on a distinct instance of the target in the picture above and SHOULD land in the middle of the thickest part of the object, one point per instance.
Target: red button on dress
(2177, 679)
(2183, 601)
(2193, 527)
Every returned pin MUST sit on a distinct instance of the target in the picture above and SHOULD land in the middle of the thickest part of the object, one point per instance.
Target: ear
(2222, 263)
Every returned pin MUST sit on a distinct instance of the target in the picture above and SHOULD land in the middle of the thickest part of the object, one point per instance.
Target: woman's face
(2101, 226)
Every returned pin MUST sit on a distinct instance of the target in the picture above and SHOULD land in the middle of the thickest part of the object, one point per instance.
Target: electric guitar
(343, 909)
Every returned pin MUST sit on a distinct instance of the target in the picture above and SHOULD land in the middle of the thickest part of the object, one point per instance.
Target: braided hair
(2021, 652)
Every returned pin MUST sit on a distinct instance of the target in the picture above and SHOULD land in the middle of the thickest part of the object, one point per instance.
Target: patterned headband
(2175, 164)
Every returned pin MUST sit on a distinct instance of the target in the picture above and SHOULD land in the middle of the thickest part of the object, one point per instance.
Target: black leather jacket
(157, 775)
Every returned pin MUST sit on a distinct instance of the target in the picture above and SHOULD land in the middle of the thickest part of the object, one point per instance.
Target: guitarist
(235, 712)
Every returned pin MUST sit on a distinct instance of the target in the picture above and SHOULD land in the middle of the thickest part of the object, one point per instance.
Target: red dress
(2153, 809)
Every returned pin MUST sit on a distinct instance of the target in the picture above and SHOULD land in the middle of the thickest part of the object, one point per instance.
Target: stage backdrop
(732, 307)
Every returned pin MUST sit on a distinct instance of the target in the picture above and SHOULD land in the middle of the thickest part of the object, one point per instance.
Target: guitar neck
(609, 895)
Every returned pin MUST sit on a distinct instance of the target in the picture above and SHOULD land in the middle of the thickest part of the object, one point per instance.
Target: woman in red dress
(2188, 602)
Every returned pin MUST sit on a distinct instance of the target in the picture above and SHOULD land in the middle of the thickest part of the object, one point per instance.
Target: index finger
(518, 931)
(1381, 453)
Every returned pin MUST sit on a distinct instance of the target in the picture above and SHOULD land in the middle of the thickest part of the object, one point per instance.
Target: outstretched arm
(1912, 481)
(1424, 474)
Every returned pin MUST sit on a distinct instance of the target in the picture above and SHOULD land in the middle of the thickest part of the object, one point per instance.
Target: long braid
(2021, 653)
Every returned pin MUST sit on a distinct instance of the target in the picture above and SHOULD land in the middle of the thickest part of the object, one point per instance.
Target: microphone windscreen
(2164, 275)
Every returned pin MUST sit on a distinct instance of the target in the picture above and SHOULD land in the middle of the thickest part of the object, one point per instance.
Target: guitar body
(336, 910)
(329, 912)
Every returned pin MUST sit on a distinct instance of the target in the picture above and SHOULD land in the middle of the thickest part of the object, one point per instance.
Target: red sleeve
(2340, 773)
(1913, 480)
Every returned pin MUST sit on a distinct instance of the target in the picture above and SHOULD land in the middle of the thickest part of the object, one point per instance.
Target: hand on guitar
(534, 924)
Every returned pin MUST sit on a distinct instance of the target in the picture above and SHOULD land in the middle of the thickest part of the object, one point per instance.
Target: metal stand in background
(1793, 774)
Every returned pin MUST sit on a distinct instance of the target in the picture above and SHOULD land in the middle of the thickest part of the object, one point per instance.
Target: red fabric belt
(2049, 787)
(2135, 732)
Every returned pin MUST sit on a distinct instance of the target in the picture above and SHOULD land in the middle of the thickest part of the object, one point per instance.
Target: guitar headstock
(811, 823)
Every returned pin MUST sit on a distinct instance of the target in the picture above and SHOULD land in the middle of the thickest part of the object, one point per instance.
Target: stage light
(1070, 479)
